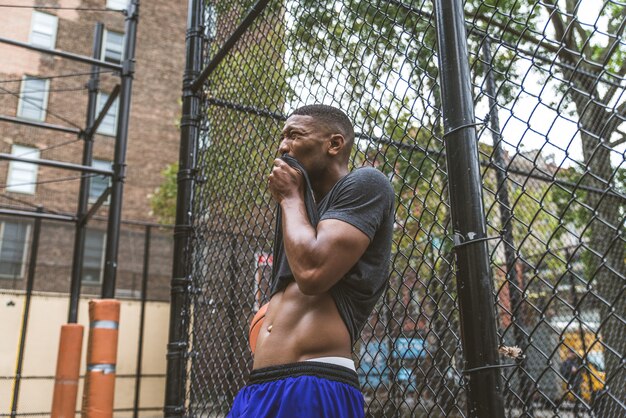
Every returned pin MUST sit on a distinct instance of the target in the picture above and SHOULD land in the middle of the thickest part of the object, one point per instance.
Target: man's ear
(336, 144)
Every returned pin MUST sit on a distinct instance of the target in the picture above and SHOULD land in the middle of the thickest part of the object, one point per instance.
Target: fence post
(71, 335)
(233, 320)
(99, 390)
(85, 181)
(142, 317)
(474, 283)
(181, 278)
(515, 283)
(32, 265)
(119, 160)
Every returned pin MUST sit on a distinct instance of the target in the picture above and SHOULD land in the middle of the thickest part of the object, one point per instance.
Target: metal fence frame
(84, 213)
(482, 369)
(18, 376)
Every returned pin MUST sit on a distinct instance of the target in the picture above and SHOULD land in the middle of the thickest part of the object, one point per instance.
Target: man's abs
(299, 327)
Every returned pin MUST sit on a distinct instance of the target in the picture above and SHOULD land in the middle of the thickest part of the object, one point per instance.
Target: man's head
(318, 135)
(332, 119)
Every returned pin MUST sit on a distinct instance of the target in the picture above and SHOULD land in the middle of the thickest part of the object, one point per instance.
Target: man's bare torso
(302, 327)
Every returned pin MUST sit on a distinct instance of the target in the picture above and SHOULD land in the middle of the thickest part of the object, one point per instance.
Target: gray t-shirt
(363, 198)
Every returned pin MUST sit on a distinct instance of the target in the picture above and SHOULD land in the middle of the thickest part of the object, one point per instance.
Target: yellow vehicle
(582, 365)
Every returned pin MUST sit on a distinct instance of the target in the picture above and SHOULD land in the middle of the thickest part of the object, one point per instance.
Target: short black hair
(331, 116)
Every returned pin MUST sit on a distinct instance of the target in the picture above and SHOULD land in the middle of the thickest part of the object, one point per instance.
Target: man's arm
(320, 256)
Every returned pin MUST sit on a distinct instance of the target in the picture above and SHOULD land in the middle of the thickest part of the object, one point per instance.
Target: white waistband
(338, 361)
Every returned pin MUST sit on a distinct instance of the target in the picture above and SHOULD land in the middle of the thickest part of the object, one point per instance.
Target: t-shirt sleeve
(363, 200)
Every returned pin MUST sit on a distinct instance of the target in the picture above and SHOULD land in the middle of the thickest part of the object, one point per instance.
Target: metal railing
(142, 279)
(47, 216)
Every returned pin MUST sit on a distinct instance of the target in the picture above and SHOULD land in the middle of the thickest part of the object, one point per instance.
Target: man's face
(303, 139)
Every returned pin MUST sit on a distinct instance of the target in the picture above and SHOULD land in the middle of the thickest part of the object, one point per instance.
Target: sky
(530, 121)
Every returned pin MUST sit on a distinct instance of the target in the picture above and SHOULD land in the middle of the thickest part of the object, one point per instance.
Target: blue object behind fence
(375, 367)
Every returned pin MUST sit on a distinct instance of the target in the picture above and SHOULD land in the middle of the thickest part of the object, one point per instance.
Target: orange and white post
(104, 317)
(68, 369)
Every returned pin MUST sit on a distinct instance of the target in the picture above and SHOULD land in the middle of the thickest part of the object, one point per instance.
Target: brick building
(42, 88)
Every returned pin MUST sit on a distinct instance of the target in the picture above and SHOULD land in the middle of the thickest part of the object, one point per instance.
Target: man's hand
(285, 182)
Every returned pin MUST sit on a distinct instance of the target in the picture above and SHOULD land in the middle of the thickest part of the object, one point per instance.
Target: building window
(93, 261)
(13, 248)
(33, 99)
(112, 46)
(99, 183)
(43, 30)
(117, 4)
(108, 126)
(22, 177)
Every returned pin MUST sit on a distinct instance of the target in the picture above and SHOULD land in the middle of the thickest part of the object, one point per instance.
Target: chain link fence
(548, 87)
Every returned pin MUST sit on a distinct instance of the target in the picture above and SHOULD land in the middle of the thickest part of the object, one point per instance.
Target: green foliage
(421, 215)
(572, 204)
(366, 49)
(163, 200)
(535, 224)
(237, 147)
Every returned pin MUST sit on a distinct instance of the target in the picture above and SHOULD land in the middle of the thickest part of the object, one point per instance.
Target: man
(333, 274)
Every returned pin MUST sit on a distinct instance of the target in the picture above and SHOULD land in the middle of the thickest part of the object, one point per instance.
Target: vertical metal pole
(119, 160)
(474, 283)
(583, 342)
(181, 276)
(232, 320)
(391, 407)
(29, 291)
(515, 283)
(85, 182)
(142, 317)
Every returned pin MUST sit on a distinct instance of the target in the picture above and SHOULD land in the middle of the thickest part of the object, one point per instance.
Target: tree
(163, 200)
(593, 67)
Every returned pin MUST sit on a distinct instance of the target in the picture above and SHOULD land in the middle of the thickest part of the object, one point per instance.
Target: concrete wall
(47, 313)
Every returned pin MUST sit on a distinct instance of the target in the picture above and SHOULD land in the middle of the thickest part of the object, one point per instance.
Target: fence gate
(549, 102)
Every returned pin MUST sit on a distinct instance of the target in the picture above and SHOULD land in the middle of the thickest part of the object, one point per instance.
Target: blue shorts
(300, 390)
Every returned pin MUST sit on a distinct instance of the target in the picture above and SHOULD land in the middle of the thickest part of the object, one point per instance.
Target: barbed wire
(40, 150)
(82, 9)
(19, 80)
(42, 108)
(59, 90)
(23, 202)
(57, 180)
